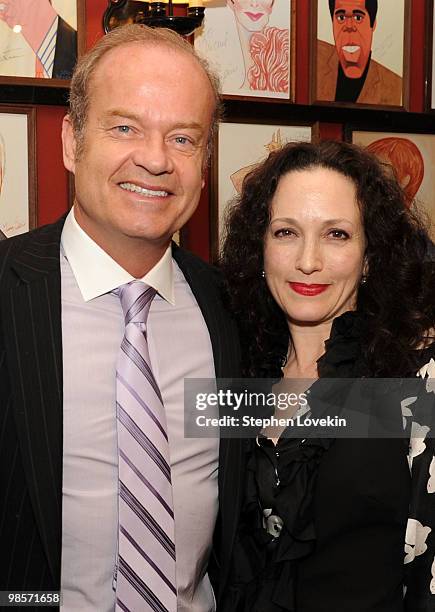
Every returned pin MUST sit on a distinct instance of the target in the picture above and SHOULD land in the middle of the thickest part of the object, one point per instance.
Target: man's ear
(69, 144)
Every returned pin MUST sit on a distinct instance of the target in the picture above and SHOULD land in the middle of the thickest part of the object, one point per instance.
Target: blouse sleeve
(420, 533)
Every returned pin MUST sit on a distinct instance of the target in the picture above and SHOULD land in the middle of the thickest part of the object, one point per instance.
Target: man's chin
(352, 71)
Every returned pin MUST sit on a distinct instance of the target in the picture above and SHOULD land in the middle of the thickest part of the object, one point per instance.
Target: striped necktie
(145, 577)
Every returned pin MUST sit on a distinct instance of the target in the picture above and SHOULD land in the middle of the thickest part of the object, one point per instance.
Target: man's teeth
(142, 190)
(351, 48)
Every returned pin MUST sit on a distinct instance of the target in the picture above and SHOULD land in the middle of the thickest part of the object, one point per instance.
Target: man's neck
(134, 254)
(349, 90)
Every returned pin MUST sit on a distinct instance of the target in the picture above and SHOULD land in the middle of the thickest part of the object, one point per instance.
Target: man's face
(353, 36)
(253, 15)
(139, 175)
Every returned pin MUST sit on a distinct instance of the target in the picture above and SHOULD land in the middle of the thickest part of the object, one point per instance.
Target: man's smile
(351, 48)
(143, 190)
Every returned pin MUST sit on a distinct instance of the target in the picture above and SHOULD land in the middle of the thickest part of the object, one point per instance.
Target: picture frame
(18, 183)
(430, 57)
(25, 59)
(366, 65)
(253, 52)
(239, 147)
(411, 156)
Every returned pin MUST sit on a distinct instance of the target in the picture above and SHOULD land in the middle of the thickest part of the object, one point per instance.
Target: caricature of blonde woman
(238, 177)
(265, 49)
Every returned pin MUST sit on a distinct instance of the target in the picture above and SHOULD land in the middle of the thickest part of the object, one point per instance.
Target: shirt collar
(97, 273)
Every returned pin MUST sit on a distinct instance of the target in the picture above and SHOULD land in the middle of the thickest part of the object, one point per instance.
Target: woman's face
(314, 246)
(253, 15)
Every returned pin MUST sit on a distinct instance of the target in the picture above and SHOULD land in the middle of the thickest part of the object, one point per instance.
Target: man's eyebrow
(193, 125)
(119, 112)
(354, 12)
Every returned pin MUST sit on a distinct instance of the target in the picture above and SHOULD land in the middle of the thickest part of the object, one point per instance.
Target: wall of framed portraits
(288, 69)
(39, 97)
(393, 95)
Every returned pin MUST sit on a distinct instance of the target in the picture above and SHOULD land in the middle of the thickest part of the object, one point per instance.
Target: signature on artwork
(11, 54)
(9, 228)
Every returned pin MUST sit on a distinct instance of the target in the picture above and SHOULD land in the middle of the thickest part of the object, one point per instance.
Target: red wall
(52, 176)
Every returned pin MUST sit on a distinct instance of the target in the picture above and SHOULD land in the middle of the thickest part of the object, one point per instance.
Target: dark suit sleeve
(65, 55)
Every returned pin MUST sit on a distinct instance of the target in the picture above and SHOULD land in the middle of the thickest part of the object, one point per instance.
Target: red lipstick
(305, 289)
(254, 16)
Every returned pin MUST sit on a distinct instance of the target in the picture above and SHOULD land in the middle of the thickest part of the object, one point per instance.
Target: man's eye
(182, 140)
(340, 18)
(358, 18)
(123, 129)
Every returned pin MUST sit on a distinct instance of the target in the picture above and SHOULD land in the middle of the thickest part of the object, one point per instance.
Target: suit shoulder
(44, 235)
(189, 259)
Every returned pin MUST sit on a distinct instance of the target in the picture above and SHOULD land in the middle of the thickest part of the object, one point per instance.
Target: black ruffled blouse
(324, 522)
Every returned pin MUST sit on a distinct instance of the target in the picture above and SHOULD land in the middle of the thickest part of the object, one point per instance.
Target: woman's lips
(305, 289)
(254, 16)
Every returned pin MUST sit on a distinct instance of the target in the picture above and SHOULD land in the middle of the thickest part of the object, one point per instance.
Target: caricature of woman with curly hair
(406, 161)
(265, 49)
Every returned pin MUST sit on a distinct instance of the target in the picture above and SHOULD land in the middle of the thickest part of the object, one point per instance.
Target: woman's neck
(308, 344)
(245, 45)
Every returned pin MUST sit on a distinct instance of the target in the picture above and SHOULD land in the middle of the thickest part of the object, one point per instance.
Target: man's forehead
(124, 60)
(350, 5)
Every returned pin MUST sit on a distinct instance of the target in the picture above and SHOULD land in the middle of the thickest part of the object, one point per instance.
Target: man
(142, 111)
(52, 40)
(346, 72)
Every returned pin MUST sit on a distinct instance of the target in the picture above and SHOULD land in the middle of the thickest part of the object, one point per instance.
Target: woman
(325, 269)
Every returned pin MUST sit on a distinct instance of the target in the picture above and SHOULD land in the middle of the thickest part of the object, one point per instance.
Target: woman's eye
(283, 233)
(339, 234)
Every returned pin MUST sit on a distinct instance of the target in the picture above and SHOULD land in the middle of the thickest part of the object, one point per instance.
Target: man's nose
(153, 155)
(309, 256)
(349, 23)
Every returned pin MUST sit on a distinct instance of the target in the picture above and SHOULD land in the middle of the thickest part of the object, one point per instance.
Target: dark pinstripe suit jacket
(31, 405)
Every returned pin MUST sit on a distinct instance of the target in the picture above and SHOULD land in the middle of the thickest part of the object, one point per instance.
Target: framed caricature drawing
(240, 148)
(359, 52)
(249, 44)
(17, 171)
(40, 40)
(412, 157)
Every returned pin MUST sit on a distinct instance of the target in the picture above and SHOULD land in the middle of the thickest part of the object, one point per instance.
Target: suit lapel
(204, 282)
(226, 354)
(34, 347)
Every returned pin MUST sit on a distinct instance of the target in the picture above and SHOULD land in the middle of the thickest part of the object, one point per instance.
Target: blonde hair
(79, 97)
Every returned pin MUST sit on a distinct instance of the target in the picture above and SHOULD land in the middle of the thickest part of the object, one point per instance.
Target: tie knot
(136, 298)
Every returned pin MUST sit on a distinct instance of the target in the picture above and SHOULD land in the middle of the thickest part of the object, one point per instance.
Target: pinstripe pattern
(30, 411)
(146, 554)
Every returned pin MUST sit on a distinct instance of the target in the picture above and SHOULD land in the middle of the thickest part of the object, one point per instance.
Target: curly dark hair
(398, 298)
